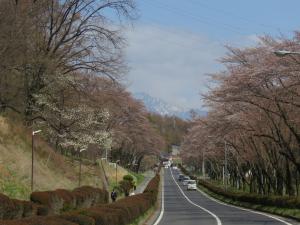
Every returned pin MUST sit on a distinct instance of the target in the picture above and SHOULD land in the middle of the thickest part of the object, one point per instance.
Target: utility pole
(223, 174)
(80, 162)
(79, 176)
(203, 165)
(225, 163)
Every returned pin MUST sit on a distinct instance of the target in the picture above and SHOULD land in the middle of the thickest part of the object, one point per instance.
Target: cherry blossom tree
(254, 110)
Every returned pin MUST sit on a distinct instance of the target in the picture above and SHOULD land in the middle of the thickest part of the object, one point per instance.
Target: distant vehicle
(185, 179)
(180, 177)
(167, 163)
(175, 168)
(166, 166)
(191, 185)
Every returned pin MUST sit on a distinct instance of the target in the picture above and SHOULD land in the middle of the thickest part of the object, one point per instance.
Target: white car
(175, 168)
(191, 185)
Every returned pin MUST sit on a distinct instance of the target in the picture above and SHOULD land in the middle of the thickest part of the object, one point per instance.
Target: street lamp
(117, 171)
(79, 178)
(282, 53)
(32, 154)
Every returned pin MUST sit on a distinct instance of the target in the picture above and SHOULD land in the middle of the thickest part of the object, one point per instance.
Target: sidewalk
(141, 187)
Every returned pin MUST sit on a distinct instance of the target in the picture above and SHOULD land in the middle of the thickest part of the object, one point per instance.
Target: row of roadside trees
(252, 130)
(61, 66)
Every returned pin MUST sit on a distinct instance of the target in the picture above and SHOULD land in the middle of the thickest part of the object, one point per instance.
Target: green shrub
(126, 184)
(129, 178)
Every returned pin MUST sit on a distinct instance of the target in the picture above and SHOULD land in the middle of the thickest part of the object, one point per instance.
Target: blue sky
(175, 44)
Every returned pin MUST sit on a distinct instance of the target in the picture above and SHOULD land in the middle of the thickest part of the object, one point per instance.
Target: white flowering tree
(70, 118)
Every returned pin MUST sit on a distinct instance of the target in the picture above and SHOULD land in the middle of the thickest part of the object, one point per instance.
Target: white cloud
(171, 64)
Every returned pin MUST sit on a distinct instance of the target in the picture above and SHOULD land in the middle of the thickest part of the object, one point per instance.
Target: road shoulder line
(244, 209)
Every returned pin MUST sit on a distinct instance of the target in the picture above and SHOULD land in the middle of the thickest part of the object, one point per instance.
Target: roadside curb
(280, 218)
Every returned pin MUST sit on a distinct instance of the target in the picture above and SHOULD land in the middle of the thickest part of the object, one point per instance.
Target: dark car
(185, 178)
(180, 177)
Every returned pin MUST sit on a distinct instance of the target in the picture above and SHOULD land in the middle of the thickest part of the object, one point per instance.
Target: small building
(175, 150)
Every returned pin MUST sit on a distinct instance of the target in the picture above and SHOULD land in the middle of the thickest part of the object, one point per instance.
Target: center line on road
(204, 209)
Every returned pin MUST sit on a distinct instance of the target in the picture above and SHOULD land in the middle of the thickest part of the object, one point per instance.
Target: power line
(203, 20)
(233, 15)
(173, 32)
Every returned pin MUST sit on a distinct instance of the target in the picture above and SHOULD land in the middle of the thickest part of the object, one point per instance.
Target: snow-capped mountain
(163, 108)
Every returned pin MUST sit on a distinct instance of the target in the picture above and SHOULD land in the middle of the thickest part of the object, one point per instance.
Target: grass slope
(51, 170)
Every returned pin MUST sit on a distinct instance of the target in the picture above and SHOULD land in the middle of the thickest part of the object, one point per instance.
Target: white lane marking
(249, 210)
(162, 202)
(204, 209)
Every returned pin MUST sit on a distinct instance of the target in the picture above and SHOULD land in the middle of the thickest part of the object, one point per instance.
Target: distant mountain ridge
(157, 105)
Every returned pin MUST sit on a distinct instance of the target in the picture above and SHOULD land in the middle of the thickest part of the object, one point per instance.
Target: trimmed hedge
(125, 210)
(152, 185)
(278, 201)
(38, 220)
(87, 196)
(122, 212)
(16, 209)
(62, 200)
(78, 219)
(51, 202)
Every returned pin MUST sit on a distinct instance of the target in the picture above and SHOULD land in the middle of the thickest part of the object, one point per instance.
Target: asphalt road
(182, 207)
